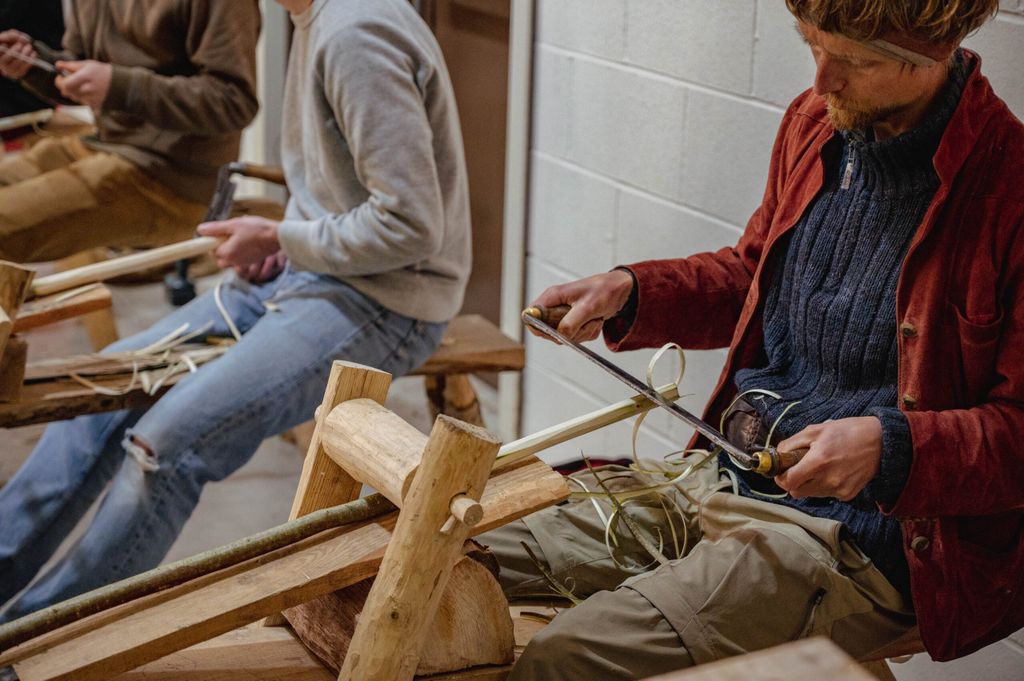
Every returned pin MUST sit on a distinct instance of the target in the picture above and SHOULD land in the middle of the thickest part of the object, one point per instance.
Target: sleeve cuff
(615, 328)
(294, 237)
(897, 457)
(119, 96)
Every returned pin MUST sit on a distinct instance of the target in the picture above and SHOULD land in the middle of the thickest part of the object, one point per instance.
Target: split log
(472, 626)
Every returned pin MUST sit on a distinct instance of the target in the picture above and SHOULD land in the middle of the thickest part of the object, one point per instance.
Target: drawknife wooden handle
(772, 462)
(552, 316)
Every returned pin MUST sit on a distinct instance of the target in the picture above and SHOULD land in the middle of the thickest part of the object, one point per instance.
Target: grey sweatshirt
(372, 151)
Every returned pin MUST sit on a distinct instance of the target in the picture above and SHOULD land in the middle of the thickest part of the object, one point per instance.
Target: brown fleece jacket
(184, 82)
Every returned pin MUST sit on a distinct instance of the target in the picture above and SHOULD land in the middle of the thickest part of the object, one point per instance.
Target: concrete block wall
(653, 122)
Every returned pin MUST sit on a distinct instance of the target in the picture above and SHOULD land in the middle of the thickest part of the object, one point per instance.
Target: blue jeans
(207, 426)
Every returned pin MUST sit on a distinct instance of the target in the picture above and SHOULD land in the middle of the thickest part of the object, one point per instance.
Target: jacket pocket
(979, 344)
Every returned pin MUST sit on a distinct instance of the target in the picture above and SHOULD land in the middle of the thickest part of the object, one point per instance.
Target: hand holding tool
(34, 61)
(769, 462)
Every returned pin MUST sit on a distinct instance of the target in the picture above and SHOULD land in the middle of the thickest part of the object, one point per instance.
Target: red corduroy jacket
(960, 322)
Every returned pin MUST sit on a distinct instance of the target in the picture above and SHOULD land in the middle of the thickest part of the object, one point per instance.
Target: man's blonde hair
(938, 22)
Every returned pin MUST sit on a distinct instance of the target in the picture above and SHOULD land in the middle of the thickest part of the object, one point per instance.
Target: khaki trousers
(758, 574)
(61, 197)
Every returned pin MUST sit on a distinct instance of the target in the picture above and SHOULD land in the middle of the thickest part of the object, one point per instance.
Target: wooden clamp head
(15, 281)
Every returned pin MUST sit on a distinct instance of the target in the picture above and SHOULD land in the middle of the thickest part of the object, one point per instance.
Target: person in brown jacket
(172, 84)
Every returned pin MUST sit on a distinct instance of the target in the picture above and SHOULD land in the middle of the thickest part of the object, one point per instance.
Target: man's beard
(855, 116)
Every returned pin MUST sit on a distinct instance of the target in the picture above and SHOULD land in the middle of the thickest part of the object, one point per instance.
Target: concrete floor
(257, 496)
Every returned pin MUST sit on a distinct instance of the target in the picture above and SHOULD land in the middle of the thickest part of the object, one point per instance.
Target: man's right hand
(593, 300)
(15, 41)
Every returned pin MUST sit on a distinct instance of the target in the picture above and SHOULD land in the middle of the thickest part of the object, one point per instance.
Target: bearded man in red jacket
(879, 292)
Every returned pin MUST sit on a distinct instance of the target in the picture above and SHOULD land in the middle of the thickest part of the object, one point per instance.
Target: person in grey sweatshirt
(368, 265)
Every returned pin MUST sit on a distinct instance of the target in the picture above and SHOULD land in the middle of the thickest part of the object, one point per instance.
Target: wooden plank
(419, 559)
(127, 637)
(55, 308)
(57, 400)
(253, 653)
(474, 344)
(812, 659)
(257, 653)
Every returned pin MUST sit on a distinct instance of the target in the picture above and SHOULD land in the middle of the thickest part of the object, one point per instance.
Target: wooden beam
(419, 559)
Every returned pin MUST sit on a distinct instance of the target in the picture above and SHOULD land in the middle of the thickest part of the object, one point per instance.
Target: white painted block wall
(653, 122)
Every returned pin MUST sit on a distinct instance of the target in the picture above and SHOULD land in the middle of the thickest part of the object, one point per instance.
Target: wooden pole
(419, 558)
(127, 264)
(514, 452)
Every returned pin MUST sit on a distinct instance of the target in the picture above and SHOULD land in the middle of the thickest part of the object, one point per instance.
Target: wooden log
(374, 445)
(393, 625)
(127, 264)
(112, 642)
(55, 308)
(472, 625)
(453, 395)
(15, 281)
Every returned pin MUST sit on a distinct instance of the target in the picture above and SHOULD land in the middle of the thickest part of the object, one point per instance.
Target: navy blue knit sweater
(830, 315)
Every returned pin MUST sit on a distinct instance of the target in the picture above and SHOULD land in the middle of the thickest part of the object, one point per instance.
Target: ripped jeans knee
(141, 452)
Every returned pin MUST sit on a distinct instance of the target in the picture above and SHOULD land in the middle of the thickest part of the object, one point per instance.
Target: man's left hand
(248, 240)
(86, 82)
(843, 456)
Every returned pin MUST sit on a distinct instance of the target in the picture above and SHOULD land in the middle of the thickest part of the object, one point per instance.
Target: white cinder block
(699, 41)
(628, 126)
(594, 27)
(783, 66)
(572, 217)
(1001, 44)
(728, 146)
(651, 228)
(552, 100)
